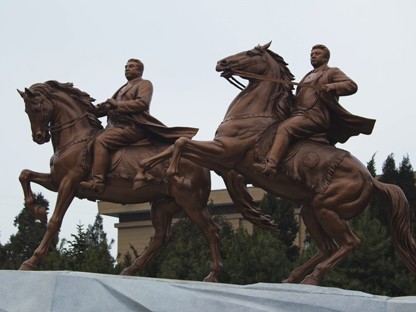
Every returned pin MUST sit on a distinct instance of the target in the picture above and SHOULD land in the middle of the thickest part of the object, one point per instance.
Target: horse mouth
(226, 73)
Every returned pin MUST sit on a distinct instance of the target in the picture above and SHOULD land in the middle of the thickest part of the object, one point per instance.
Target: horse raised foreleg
(161, 214)
(209, 154)
(43, 179)
(325, 244)
(66, 194)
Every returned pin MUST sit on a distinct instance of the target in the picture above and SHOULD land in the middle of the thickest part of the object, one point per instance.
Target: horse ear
(22, 94)
(29, 93)
(266, 46)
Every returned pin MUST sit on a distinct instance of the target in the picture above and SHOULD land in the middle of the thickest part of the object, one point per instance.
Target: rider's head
(319, 55)
(133, 69)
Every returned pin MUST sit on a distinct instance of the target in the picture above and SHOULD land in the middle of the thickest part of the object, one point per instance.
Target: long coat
(133, 108)
(342, 124)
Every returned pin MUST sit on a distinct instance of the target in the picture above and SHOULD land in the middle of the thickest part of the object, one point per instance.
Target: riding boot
(275, 155)
(99, 170)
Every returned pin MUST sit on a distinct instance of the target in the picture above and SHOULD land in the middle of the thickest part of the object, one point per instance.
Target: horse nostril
(37, 137)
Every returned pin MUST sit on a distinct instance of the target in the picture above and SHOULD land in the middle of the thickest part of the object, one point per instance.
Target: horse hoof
(212, 278)
(127, 272)
(27, 266)
(39, 213)
(310, 280)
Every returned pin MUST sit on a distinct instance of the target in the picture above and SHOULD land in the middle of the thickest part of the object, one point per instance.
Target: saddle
(125, 162)
(311, 162)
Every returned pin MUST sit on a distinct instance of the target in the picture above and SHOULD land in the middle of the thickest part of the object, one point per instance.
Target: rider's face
(318, 58)
(132, 70)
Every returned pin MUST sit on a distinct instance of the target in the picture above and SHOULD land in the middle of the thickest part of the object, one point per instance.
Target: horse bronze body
(237, 147)
(65, 114)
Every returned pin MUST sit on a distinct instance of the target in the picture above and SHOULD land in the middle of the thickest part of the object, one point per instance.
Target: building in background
(135, 227)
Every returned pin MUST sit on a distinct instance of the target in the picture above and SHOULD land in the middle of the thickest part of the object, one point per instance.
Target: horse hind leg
(197, 211)
(340, 230)
(326, 246)
(161, 211)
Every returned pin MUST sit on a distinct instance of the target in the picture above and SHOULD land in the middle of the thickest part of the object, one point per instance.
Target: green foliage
(282, 211)
(89, 250)
(260, 257)
(21, 245)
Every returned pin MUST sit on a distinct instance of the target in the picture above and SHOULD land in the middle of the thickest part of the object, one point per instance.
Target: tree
(407, 182)
(260, 257)
(29, 234)
(282, 211)
(89, 250)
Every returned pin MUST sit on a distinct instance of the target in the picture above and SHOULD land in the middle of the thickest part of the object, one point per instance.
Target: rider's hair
(141, 66)
(324, 48)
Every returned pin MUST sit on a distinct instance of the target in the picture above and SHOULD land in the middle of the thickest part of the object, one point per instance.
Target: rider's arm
(141, 100)
(341, 83)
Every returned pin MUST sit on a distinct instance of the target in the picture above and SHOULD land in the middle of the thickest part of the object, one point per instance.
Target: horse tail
(400, 225)
(245, 203)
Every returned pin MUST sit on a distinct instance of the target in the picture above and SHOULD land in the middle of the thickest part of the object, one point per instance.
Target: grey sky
(88, 43)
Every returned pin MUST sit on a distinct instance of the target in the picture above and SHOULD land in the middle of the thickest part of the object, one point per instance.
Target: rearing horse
(66, 114)
(243, 139)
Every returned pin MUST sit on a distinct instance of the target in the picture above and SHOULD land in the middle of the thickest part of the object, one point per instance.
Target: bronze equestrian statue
(66, 115)
(331, 184)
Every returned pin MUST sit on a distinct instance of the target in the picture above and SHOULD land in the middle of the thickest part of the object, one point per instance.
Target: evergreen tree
(282, 211)
(407, 182)
(89, 250)
(29, 234)
(260, 257)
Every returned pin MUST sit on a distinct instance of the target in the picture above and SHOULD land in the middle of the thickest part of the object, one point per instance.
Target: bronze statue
(60, 112)
(317, 115)
(128, 122)
(332, 185)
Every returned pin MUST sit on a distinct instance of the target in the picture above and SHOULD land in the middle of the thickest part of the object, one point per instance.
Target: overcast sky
(89, 42)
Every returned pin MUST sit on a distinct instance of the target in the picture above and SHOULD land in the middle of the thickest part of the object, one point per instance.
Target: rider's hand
(112, 103)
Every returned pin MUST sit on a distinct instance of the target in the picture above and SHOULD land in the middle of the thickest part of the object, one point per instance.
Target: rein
(66, 125)
(266, 78)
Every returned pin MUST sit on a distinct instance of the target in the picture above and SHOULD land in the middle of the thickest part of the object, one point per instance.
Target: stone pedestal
(76, 291)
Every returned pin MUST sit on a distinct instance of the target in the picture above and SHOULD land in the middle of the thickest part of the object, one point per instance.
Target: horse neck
(69, 123)
(255, 99)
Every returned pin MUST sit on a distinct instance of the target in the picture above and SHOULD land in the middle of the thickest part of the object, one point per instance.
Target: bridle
(272, 79)
(241, 73)
(55, 128)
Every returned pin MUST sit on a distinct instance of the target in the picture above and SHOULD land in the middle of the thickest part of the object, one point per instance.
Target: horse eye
(250, 53)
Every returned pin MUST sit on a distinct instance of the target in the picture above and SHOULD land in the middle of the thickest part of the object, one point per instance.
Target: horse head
(53, 107)
(38, 109)
(256, 61)
(262, 66)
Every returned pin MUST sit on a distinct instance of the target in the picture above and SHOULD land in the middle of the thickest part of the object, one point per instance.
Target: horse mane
(80, 97)
(284, 98)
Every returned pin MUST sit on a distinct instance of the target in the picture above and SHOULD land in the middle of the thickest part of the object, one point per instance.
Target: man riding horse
(128, 121)
(317, 112)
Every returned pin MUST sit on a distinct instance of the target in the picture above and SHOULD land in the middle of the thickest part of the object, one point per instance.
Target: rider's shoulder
(145, 82)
